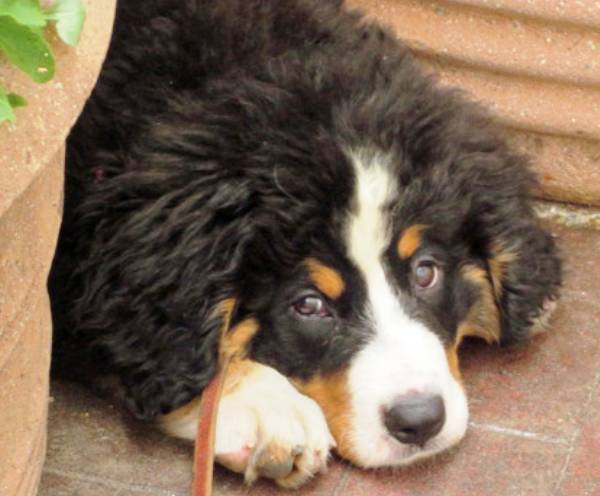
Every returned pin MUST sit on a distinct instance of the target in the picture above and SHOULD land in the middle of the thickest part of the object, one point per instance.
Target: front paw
(266, 428)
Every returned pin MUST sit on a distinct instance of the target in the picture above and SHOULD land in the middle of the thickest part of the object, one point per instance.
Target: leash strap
(204, 449)
(205, 437)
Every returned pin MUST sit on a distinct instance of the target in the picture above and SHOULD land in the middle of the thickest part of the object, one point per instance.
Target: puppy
(280, 175)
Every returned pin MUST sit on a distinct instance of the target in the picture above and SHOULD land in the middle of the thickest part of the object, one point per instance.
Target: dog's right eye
(311, 306)
(426, 274)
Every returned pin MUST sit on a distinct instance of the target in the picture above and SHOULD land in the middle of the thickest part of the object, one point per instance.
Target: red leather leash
(230, 344)
(205, 437)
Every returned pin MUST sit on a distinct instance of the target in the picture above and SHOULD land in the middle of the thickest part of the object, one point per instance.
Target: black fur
(210, 161)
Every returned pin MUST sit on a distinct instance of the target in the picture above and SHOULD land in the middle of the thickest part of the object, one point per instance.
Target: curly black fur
(210, 160)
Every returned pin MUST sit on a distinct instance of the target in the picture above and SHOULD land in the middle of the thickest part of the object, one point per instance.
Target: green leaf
(27, 49)
(69, 16)
(25, 12)
(16, 100)
(6, 112)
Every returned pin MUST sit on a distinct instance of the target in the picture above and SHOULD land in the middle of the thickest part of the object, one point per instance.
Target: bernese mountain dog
(282, 175)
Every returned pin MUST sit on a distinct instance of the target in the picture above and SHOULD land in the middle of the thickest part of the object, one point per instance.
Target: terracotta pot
(31, 177)
(535, 63)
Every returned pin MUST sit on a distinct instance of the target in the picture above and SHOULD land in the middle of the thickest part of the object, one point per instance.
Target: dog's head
(365, 306)
(375, 240)
(366, 221)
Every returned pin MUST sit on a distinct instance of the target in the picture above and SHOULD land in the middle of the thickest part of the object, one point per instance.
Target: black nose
(415, 418)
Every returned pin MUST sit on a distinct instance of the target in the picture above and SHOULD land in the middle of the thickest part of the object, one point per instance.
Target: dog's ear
(516, 269)
(157, 271)
(517, 283)
(525, 272)
(183, 329)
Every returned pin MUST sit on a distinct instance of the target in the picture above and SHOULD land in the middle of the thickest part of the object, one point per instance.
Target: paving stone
(485, 464)
(323, 485)
(64, 484)
(90, 439)
(227, 483)
(582, 474)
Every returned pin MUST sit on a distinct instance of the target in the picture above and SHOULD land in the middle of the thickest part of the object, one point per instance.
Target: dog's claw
(274, 469)
(297, 450)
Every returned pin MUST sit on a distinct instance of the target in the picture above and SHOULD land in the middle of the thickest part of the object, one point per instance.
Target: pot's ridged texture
(31, 178)
(535, 64)
(27, 237)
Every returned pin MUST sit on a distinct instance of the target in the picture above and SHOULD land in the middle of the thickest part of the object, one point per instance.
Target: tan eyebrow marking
(327, 280)
(410, 240)
(332, 393)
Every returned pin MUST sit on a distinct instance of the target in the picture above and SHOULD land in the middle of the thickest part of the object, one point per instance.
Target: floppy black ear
(517, 273)
(525, 271)
(520, 256)
(169, 351)
(157, 253)
(522, 267)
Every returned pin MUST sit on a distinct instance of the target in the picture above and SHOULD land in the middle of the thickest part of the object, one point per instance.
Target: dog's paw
(266, 428)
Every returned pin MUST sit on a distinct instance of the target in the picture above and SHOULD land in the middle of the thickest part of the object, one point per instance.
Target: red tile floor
(535, 422)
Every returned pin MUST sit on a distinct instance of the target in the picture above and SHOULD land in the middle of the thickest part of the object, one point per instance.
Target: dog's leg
(265, 427)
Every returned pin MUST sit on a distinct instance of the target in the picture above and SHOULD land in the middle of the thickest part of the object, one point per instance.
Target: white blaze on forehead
(369, 231)
(403, 355)
(369, 236)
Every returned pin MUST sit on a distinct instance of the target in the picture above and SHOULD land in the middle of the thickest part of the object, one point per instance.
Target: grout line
(520, 433)
(563, 471)
(110, 483)
(341, 485)
(575, 437)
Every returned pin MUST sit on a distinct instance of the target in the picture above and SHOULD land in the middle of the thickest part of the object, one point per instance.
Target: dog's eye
(426, 274)
(309, 306)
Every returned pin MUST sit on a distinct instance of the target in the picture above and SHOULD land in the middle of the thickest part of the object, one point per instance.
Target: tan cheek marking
(498, 263)
(483, 318)
(235, 341)
(234, 344)
(410, 240)
(327, 280)
(225, 309)
(332, 394)
(453, 362)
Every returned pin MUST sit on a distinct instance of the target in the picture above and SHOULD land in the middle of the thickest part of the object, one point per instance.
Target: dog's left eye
(310, 306)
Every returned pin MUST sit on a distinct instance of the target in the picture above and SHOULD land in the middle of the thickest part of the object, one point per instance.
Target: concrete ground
(535, 422)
